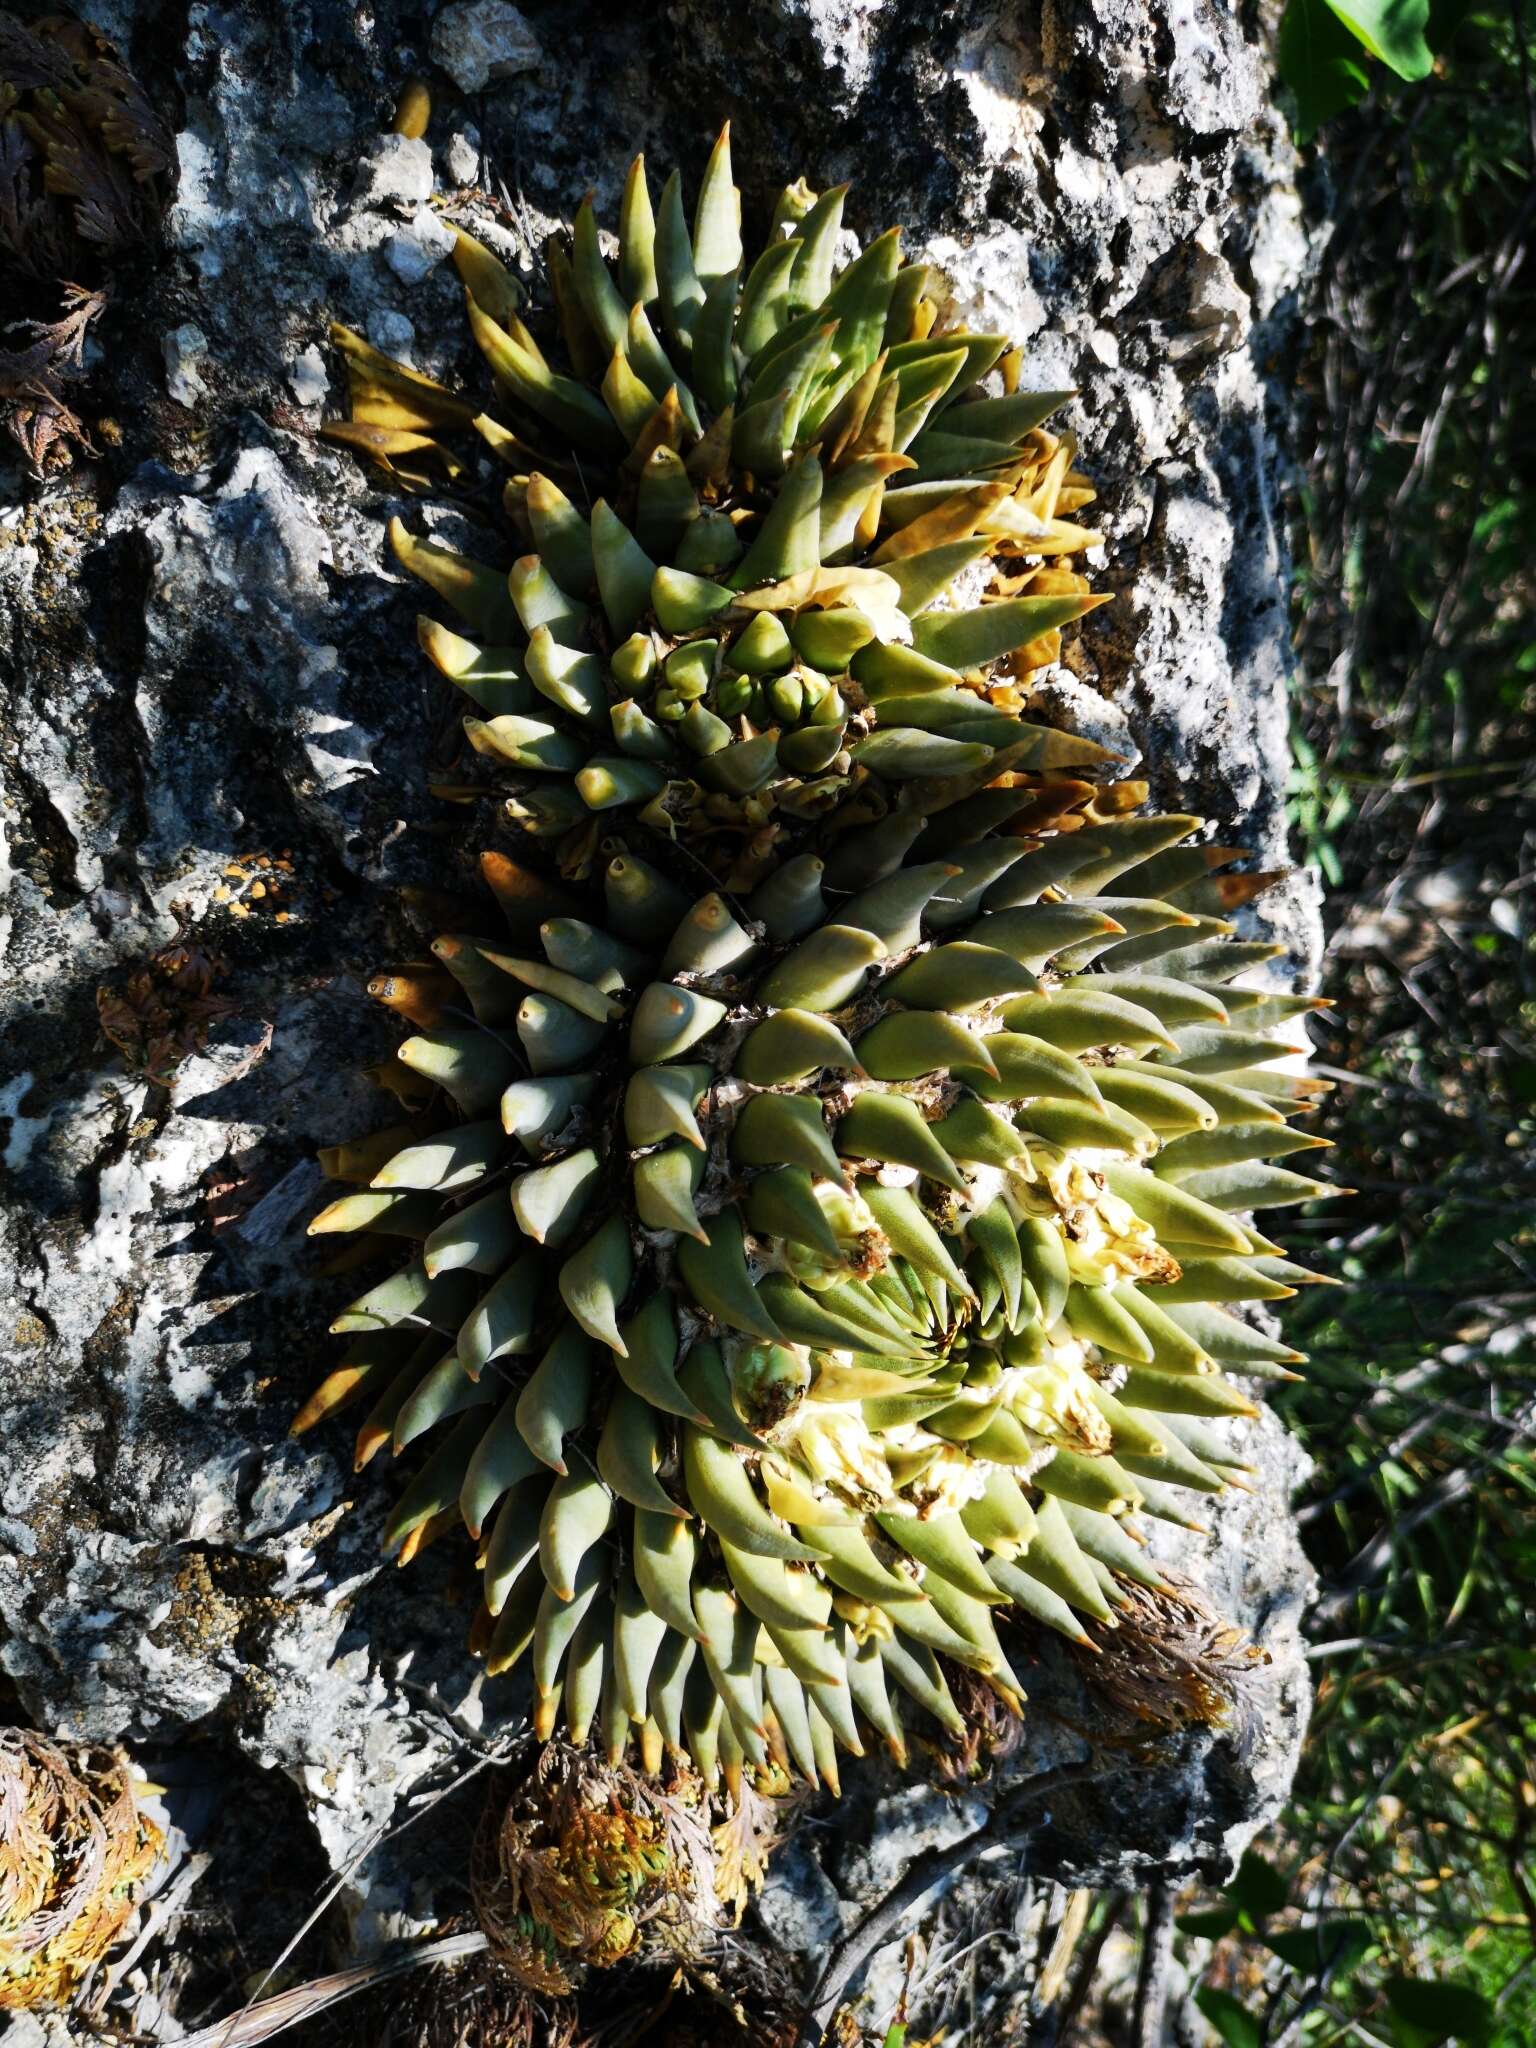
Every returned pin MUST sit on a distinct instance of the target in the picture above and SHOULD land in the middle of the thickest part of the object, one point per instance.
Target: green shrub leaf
(1258, 1889)
(1235, 2026)
(1320, 62)
(1428, 2011)
(1329, 1950)
(1209, 1926)
(1320, 46)
(1392, 30)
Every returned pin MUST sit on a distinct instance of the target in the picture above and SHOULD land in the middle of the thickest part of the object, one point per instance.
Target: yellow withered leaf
(386, 393)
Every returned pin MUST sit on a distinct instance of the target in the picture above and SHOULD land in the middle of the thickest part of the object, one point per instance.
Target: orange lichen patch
(258, 884)
(73, 1847)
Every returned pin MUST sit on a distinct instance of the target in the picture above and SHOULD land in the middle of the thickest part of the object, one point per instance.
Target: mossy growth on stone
(817, 1219)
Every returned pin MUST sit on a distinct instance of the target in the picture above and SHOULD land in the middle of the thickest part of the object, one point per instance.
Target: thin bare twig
(1150, 2014)
(884, 1918)
(260, 2022)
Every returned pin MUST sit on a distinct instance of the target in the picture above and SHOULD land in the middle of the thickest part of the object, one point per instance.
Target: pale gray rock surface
(209, 664)
(478, 42)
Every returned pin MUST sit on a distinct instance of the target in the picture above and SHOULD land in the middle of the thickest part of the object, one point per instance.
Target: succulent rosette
(818, 1218)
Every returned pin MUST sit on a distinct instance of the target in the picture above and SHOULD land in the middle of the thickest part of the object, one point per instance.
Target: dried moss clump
(815, 1217)
(73, 1846)
(583, 1864)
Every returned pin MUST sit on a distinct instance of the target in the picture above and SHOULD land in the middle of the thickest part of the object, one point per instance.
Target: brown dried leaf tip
(994, 1729)
(87, 170)
(73, 1846)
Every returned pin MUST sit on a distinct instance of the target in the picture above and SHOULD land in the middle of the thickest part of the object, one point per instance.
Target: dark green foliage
(1408, 1837)
(1326, 48)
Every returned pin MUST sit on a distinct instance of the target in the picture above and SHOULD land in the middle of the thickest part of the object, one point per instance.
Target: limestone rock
(395, 170)
(460, 156)
(480, 41)
(416, 253)
(217, 732)
(185, 350)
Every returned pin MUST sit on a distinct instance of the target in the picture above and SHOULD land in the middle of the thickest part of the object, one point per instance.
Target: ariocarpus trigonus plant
(818, 1215)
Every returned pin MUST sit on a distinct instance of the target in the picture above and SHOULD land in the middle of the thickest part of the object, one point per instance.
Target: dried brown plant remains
(87, 169)
(73, 1848)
